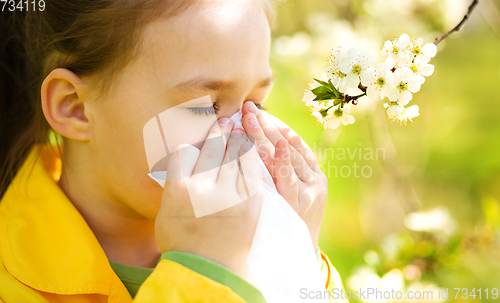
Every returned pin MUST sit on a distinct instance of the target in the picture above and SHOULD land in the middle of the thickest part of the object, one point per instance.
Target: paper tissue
(282, 261)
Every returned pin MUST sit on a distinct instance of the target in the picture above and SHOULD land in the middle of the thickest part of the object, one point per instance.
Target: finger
(274, 134)
(213, 150)
(250, 168)
(265, 148)
(180, 166)
(301, 167)
(230, 170)
(236, 139)
(270, 131)
(296, 141)
(228, 177)
(182, 162)
(286, 179)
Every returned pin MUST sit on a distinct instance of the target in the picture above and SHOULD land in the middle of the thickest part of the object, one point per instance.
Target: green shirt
(133, 277)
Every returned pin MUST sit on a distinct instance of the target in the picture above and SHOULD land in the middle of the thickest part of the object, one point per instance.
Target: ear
(63, 104)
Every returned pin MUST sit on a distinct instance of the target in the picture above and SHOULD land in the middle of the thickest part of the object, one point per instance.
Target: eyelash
(213, 109)
(203, 110)
(260, 106)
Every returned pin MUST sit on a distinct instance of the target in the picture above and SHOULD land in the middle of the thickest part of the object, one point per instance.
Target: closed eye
(202, 110)
(212, 110)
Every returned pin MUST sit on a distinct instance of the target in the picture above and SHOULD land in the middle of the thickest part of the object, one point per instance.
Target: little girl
(83, 222)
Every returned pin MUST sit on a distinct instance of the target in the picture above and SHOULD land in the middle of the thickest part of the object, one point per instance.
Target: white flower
(340, 116)
(427, 51)
(336, 54)
(354, 64)
(398, 112)
(394, 112)
(437, 220)
(334, 73)
(419, 66)
(409, 113)
(309, 96)
(395, 49)
(320, 112)
(404, 84)
(377, 80)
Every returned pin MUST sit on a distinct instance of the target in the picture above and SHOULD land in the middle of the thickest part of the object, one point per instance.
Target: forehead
(226, 38)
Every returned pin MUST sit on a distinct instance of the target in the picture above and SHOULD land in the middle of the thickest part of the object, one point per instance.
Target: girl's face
(219, 48)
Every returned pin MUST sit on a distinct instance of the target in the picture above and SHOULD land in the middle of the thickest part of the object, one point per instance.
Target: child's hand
(292, 164)
(225, 236)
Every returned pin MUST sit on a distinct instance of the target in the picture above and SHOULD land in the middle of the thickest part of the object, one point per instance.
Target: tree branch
(459, 25)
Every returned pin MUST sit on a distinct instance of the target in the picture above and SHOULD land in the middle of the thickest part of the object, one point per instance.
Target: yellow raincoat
(48, 253)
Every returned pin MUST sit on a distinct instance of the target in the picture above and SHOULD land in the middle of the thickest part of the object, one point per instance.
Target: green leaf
(321, 97)
(321, 82)
(321, 89)
(331, 84)
(324, 96)
(335, 91)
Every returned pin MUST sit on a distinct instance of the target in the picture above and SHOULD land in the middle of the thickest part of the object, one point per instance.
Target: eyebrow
(216, 85)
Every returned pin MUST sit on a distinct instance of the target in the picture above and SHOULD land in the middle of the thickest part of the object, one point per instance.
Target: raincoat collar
(45, 242)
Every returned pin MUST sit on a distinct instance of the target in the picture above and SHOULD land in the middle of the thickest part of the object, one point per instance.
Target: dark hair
(85, 36)
(88, 37)
(17, 112)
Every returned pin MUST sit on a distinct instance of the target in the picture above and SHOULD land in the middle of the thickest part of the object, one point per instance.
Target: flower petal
(308, 96)
(430, 50)
(373, 92)
(411, 112)
(343, 85)
(390, 61)
(345, 66)
(333, 123)
(427, 70)
(394, 111)
(405, 98)
(381, 69)
(352, 80)
(350, 119)
(393, 94)
(404, 41)
(368, 76)
(415, 85)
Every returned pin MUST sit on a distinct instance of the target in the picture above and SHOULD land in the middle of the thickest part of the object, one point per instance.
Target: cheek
(118, 140)
(121, 159)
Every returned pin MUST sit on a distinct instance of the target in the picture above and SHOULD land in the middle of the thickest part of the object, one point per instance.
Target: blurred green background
(426, 213)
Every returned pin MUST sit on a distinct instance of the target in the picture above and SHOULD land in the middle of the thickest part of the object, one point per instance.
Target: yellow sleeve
(174, 283)
(11, 290)
(332, 280)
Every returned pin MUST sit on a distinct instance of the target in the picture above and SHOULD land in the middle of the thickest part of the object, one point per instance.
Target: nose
(229, 110)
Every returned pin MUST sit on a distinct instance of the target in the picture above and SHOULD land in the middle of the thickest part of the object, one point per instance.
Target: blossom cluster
(352, 75)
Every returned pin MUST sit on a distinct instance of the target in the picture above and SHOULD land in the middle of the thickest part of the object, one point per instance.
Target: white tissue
(161, 176)
(282, 261)
(236, 118)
